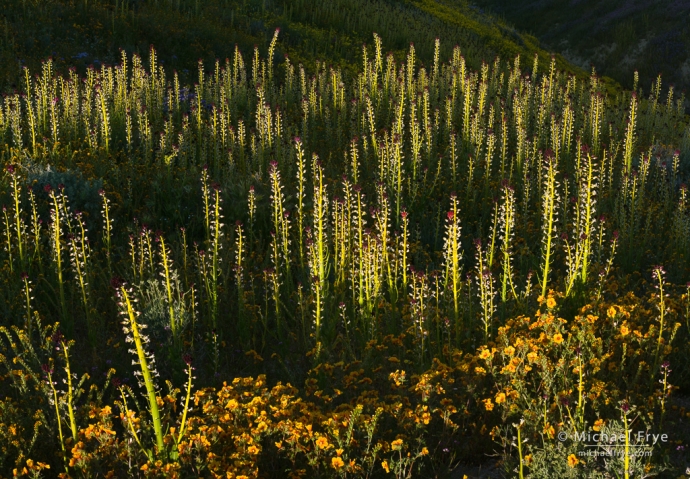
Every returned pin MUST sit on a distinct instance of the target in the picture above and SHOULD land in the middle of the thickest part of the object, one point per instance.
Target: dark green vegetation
(79, 32)
(445, 256)
(616, 36)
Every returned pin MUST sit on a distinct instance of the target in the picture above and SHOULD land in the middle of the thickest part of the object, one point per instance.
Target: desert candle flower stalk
(630, 135)
(19, 225)
(405, 248)
(452, 253)
(8, 236)
(486, 292)
(145, 359)
(320, 218)
(506, 236)
(56, 217)
(625, 411)
(35, 229)
(658, 274)
(550, 200)
(70, 391)
(183, 422)
(107, 226)
(521, 473)
(166, 263)
(48, 370)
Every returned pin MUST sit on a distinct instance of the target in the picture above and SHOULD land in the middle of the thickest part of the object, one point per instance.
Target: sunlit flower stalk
(486, 290)
(630, 136)
(550, 201)
(107, 226)
(506, 236)
(166, 263)
(301, 184)
(452, 254)
(56, 217)
(145, 359)
(320, 216)
(19, 225)
(658, 274)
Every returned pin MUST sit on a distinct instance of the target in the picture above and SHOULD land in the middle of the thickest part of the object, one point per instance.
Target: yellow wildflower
(573, 461)
(337, 462)
(322, 443)
(384, 464)
(557, 338)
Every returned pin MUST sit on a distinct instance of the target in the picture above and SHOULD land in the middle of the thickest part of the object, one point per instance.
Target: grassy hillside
(618, 37)
(237, 243)
(79, 32)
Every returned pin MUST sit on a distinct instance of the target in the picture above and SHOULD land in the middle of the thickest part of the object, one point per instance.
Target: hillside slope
(617, 37)
(183, 31)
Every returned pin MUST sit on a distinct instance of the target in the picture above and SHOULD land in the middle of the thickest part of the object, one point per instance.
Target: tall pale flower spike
(144, 358)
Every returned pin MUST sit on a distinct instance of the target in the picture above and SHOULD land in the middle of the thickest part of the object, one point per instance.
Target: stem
(186, 404)
(70, 406)
(627, 446)
(520, 452)
(57, 411)
(148, 381)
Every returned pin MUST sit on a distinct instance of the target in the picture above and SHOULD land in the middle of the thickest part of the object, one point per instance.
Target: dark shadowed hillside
(616, 36)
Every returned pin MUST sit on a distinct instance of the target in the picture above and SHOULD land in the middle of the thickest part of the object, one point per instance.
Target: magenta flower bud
(57, 337)
(116, 282)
